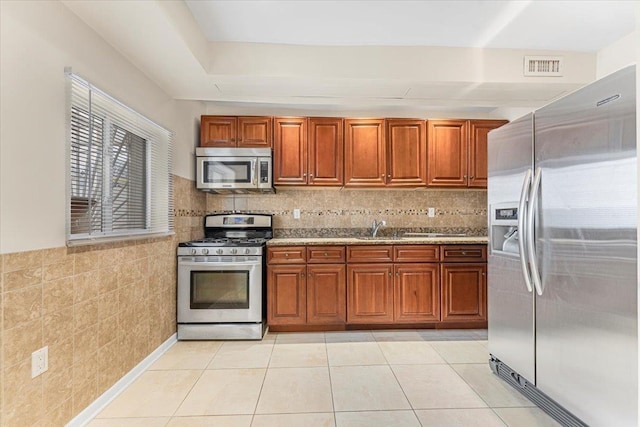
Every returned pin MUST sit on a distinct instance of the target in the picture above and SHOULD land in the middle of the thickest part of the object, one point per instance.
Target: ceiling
(584, 26)
(380, 58)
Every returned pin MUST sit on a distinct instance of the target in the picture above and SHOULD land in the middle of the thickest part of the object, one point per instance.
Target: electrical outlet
(39, 361)
(432, 212)
(296, 214)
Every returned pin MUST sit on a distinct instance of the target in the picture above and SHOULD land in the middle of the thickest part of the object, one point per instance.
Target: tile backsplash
(329, 212)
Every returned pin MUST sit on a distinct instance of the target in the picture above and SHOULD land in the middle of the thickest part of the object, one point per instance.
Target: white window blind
(119, 169)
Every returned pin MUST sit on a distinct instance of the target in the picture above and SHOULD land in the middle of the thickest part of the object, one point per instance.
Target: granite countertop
(292, 241)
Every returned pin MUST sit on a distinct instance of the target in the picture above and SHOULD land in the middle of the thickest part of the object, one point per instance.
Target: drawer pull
(326, 254)
(286, 254)
(464, 253)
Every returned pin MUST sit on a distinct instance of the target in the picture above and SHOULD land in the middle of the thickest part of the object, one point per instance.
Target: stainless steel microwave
(234, 170)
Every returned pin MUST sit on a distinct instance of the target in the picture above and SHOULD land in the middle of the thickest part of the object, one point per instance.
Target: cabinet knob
(301, 274)
(397, 274)
(389, 176)
(326, 254)
(233, 140)
(304, 174)
(390, 274)
(310, 175)
(464, 253)
(309, 274)
(286, 254)
(382, 176)
(464, 176)
(472, 177)
(239, 139)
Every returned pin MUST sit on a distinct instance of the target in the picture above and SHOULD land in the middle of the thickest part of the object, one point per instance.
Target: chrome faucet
(376, 226)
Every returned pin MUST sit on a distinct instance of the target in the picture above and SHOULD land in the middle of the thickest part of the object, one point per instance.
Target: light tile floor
(402, 378)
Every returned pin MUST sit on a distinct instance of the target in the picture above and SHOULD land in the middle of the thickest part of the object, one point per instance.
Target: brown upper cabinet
(313, 157)
(390, 152)
(231, 131)
(406, 153)
(364, 153)
(457, 152)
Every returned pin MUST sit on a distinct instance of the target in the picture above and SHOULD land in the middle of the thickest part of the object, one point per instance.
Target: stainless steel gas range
(221, 279)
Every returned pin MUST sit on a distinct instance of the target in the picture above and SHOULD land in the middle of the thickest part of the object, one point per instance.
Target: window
(119, 170)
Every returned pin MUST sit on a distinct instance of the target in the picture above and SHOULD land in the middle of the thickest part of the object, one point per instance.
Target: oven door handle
(217, 264)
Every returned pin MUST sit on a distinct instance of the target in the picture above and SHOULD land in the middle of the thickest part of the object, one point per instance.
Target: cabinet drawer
(374, 253)
(416, 253)
(287, 255)
(325, 254)
(463, 253)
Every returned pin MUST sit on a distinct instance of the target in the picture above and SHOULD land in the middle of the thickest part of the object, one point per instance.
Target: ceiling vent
(543, 66)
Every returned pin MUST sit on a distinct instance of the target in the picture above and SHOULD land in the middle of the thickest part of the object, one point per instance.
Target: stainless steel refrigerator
(563, 266)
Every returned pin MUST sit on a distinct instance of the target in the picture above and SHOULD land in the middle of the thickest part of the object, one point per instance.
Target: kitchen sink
(379, 238)
(435, 235)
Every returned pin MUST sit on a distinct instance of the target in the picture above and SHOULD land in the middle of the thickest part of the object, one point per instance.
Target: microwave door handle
(254, 174)
(522, 220)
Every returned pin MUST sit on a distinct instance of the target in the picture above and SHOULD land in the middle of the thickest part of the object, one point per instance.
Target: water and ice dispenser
(504, 228)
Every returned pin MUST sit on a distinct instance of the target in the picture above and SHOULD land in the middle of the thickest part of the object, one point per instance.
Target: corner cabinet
(349, 287)
(457, 152)
(232, 131)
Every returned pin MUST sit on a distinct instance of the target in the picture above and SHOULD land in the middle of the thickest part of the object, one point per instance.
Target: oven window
(216, 171)
(222, 290)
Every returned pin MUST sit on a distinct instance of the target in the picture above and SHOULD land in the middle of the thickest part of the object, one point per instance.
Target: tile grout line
(333, 404)
(264, 378)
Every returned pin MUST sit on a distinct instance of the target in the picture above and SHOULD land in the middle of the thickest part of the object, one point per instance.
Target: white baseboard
(89, 413)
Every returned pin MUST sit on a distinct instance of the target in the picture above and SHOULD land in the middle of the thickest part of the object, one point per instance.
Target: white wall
(618, 55)
(37, 40)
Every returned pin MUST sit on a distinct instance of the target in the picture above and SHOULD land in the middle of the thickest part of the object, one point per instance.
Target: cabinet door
(370, 293)
(290, 151)
(254, 132)
(406, 153)
(217, 131)
(478, 137)
(416, 293)
(447, 153)
(464, 292)
(286, 295)
(326, 152)
(326, 294)
(365, 157)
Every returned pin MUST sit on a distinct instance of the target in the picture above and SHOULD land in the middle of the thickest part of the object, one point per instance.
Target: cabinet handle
(464, 176)
(388, 176)
(286, 254)
(301, 274)
(382, 176)
(308, 274)
(471, 177)
(464, 253)
(310, 175)
(304, 174)
(326, 254)
(390, 274)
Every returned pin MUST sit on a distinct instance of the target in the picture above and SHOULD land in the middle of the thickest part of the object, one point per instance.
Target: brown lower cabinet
(464, 292)
(306, 294)
(377, 284)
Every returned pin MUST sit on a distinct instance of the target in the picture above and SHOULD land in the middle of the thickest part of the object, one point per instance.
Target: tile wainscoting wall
(100, 309)
(338, 212)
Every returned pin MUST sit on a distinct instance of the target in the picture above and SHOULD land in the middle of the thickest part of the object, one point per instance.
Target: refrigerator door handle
(531, 209)
(522, 220)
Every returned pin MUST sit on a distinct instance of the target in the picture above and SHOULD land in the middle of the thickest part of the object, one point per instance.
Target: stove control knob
(219, 251)
(192, 251)
(234, 251)
(247, 251)
(205, 251)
